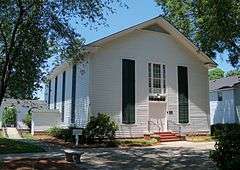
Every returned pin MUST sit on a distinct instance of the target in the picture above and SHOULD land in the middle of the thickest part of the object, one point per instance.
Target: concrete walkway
(12, 133)
(171, 155)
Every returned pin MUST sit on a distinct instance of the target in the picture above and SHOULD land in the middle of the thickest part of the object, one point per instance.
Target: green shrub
(61, 133)
(227, 148)
(218, 128)
(28, 120)
(9, 116)
(100, 127)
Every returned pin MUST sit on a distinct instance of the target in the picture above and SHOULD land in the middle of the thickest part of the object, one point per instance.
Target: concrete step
(12, 133)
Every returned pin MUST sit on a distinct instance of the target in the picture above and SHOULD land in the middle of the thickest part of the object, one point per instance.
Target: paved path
(171, 155)
(12, 133)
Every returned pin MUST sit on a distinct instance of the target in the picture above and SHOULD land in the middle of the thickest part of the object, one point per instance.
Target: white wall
(82, 94)
(145, 47)
(42, 121)
(222, 111)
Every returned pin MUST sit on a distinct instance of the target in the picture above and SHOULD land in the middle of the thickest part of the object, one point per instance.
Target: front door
(157, 116)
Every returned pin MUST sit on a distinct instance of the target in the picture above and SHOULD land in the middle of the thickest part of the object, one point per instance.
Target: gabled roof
(226, 82)
(167, 28)
(164, 27)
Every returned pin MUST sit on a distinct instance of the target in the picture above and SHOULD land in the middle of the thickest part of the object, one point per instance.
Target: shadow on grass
(39, 164)
(9, 146)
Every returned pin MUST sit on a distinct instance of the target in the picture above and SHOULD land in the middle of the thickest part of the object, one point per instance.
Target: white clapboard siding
(144, 47)
(43, 120)
(222, 111)
(82, 94)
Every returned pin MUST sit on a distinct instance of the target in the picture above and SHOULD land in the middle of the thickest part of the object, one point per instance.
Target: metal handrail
(149, 126)
(177, 124)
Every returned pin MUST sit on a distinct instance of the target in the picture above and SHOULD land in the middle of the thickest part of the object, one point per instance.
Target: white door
(157, 116)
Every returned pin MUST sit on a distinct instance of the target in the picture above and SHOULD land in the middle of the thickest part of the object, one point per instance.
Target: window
(157, 79)
(49, 92)
(183, 94)
(128, 91)
(55, 93)
(220, 96)
(63, 94)
(74, 72)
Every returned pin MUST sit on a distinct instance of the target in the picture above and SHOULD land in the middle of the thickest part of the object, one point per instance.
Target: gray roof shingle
(226, 82)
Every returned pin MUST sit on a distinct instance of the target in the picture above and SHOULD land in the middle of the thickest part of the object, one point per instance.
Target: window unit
(63, 93)
(55, 92)
(183, 105)
(157, 82)
(220, 96)
(49, 93)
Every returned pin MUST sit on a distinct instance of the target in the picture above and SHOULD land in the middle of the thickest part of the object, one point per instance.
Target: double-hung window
(157, 81)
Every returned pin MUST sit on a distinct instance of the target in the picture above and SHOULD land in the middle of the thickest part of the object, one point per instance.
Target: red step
(168, 136)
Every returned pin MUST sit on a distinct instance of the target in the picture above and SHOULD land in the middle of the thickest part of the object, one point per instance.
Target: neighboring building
(148, 78)
(224, 97)
(22, 106)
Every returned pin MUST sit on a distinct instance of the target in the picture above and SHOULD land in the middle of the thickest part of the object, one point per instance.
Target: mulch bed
(39, 164)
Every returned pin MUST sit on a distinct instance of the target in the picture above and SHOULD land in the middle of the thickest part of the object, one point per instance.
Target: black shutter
(55, 93)
(49, 93)
(63, 94)
(128, 91)
(183, 94)
(74, 71)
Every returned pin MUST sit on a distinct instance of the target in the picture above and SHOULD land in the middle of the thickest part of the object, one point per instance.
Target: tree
(9, 116)
(213, 25)
(233, 73)
(31, 31)
(216, 73)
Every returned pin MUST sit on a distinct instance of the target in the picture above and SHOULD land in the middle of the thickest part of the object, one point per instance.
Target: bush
(28, 120)
(100, 127)
(61, 133)
(219, 128)
(227, 147)
(9, 116)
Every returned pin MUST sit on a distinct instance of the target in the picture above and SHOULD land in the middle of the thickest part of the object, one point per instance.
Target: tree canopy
(213, 25)
(216, 73)
(31, 31)
(233, 73)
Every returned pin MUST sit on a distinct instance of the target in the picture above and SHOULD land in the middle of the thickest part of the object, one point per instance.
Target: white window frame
(152, 93)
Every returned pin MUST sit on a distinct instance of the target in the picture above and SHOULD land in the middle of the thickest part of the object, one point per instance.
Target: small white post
(77, 139)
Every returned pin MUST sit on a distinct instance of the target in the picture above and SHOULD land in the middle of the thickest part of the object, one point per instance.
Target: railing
(179, 127)
(149, 126)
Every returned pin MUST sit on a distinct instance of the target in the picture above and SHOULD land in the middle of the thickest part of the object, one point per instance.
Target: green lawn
(8, 146)
(27, 135)
(136, 142)
(1, 135)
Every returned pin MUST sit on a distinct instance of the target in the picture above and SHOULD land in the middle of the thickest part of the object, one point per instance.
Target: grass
(8, 146)
(196, 138)
(27, 135)
(136, 142)
(1, 134)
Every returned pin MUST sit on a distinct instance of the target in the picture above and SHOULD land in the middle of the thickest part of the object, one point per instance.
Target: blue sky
(137, 12)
